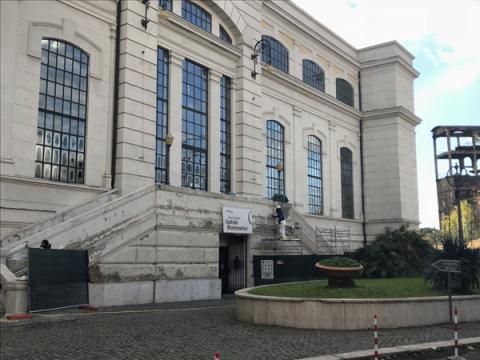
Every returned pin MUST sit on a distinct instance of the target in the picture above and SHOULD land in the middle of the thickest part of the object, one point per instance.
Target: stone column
(214, 131)
(175, 117)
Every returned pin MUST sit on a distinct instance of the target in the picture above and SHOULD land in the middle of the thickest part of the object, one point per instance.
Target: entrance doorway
(232, 262)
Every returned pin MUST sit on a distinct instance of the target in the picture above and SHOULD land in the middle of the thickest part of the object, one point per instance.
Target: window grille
(224, 35)
(196, 15)
(194, 125)
(162, 116)
(315, 195)
(275, 156)
(313, 75)
(225, 134)
(347, 182)
(276, 54)
(344, 91)
(62, 113)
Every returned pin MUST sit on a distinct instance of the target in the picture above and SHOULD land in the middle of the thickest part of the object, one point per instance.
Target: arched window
(196, 15)
(276, 54)
(344, 91)
(275, 157)
(313, 75)
(347, 182)
(165, 4)
(194, 125)
(315, 196)
(224, 34)
(161, 171)
(62, 113)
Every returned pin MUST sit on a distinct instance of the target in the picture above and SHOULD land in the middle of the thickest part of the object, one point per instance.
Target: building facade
(129, 126)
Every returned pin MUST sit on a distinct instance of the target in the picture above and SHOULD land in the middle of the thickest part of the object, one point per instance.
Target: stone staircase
(101, 225)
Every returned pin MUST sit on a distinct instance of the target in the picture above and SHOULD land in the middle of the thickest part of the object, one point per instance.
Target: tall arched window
(315, 196)
(347, 182)
(194, 125)
(276, 54)
(344, 91)
(313, 75)
(196, 15)
(62, 113)
(275, 157)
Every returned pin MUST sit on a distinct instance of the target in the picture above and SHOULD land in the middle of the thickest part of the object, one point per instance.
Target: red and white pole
(375, 337)
(216, 356)
(455, 321)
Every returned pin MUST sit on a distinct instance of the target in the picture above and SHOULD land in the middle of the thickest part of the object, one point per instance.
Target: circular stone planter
(340, 276)
(351, 314)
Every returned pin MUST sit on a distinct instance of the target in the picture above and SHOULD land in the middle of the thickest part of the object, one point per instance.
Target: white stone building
(89, 94)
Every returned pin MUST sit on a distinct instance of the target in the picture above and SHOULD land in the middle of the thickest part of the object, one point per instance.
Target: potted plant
(340, 271)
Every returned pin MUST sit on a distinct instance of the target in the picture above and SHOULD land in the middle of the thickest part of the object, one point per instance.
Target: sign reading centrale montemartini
(237, 220)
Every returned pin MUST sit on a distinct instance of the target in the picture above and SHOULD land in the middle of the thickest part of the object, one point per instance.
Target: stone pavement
(193, 330)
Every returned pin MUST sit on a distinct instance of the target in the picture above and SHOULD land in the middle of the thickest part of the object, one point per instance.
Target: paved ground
(188, 331)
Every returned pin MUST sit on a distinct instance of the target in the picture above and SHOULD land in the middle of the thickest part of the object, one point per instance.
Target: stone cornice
(271, 5)
(176, 23)
(53, 184)
(92, 9)
(400, 111)
(299, 85)
(388, 61)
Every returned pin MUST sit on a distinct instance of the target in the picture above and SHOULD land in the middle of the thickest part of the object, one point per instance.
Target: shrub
(280, 198)
(465, 281)
(337, 261)
(397, 253)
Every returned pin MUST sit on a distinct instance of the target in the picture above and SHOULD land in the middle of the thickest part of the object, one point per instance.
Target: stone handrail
(62, 215)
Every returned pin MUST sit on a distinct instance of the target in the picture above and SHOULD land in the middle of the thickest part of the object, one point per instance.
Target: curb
(19, 316)
(397, 350)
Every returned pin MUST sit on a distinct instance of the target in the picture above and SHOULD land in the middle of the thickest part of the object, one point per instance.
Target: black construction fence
(57, 278)
(268, 269)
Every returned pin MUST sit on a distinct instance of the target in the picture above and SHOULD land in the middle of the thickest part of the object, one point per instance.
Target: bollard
(216, 356)
(455, 327)
(375, 337)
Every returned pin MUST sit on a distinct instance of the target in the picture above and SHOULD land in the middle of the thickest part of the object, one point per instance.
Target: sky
(444, 37)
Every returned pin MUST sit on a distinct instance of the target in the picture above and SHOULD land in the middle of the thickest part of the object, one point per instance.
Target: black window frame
(161, 152)
(314, 175)
(62, 112)
(224, 35)
(313, 74)
(275, 144)
(344, 91)
(225, 134)
(165, 5)
(195, 125)
(197, 15)
(276, 54)
(346, 175)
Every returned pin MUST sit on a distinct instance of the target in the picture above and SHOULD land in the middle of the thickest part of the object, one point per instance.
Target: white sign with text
(237, 220)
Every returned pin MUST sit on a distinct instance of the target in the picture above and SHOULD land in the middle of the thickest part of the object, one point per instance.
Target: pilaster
(175, 118)
(214, 131)
(334, 208)
(137, 98)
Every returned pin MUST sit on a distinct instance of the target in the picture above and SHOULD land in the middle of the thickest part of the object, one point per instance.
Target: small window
(276, 54)
(165, 5)
(224, 35)
(313, 75)
(347, 182)
(344, 91)
(196, 15)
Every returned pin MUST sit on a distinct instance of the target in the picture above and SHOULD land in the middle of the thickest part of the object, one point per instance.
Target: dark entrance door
(232, 262)
(223, 267)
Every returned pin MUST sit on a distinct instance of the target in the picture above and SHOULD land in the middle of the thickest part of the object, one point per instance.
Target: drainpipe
(362, 179)
(115, 93)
